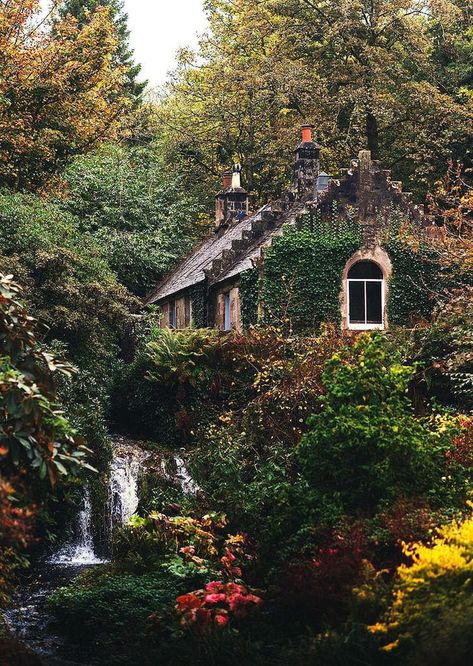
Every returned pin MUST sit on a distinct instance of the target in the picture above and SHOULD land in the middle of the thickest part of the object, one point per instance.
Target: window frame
(227, 312)
(366, 326)
(172, 314)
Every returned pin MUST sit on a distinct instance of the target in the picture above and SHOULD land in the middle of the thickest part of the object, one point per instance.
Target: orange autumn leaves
(61, 92)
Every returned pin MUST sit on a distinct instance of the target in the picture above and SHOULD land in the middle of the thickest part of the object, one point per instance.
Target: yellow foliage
(60, 91)
(431, 615)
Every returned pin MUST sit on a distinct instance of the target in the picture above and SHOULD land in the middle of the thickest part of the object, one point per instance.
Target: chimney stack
(227, 179)
(307, 165)
(232, 201)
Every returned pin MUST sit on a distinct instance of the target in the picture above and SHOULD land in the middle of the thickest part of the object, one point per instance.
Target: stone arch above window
(365, 291)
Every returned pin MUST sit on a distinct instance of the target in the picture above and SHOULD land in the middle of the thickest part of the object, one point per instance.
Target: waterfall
(181, 475)
(81, 550)
(123, 500)
(187, 483)
(123, 490)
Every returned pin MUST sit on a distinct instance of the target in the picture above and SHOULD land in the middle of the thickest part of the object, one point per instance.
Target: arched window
(365, 296)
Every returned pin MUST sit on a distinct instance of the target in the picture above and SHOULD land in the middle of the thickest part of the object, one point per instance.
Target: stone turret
(307, 164)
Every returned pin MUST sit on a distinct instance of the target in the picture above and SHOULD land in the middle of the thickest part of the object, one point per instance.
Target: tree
(60, 91)
(83, 10)
(67, 282)
(142, 216)
(234, 100)
(369, 74)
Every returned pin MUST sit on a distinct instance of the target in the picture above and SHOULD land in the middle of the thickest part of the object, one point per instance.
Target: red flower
(237, 603)
(232, 588)
(214, 587)
(214, 598)
(188, 602)
(252, 598)
(221, 620)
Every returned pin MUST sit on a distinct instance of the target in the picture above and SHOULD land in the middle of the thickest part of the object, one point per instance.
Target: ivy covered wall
(198, 296)
(416, 280)
(301, 279)
(302, 274)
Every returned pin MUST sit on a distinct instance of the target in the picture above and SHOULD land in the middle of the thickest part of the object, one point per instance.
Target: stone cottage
(204, 288)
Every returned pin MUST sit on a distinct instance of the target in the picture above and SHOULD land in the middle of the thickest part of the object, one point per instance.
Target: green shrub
(110, 612)
(367, 447)
(139, 213)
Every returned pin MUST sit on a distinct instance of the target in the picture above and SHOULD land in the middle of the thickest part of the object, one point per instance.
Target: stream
(28, 620)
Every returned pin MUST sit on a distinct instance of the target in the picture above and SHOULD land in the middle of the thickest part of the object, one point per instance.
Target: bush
(430, 620)
(446, 350)
(37, 442)
(366, 447)
(142, 216)
(66, 280)
(111, 612)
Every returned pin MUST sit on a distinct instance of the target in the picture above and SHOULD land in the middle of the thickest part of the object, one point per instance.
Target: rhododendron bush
(38, 446)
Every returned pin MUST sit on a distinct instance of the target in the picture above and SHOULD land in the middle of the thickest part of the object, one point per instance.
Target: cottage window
(366, 291)
(188, 311)
(227, 322)
(172, 314)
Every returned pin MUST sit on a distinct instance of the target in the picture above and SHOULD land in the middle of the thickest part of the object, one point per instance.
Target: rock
(13, 653)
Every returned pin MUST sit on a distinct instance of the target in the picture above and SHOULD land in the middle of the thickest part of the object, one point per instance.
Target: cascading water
(187, 483)
(123, 491)
(29, 619)
(81, 551)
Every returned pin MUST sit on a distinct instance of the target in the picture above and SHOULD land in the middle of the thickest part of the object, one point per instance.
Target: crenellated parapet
(368, 189)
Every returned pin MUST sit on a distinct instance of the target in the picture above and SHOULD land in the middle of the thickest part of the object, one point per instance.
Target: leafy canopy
(60, 91)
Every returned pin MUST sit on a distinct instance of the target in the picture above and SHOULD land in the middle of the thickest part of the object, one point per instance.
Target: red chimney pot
(307, 133)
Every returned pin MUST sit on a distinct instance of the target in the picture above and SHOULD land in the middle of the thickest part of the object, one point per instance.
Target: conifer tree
(82, 9)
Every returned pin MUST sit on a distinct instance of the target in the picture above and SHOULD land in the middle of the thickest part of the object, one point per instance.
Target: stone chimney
(307, 165)
(232, 201)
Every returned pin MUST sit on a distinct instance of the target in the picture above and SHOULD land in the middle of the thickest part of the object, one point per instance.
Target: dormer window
(366, 295)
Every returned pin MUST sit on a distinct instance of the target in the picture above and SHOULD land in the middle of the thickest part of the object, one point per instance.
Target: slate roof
(226, 253)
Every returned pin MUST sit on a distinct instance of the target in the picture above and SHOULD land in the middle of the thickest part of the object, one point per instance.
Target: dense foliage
(139, 214)
(60, 92)
(295, 476)
(37, 441)
(83, 11)
(429, 620)
(390, 75)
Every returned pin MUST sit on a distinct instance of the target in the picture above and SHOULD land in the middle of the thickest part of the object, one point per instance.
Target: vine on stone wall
(198, 296)
(415, 282)
(302, 278)
(249, 297)
(303, 273)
